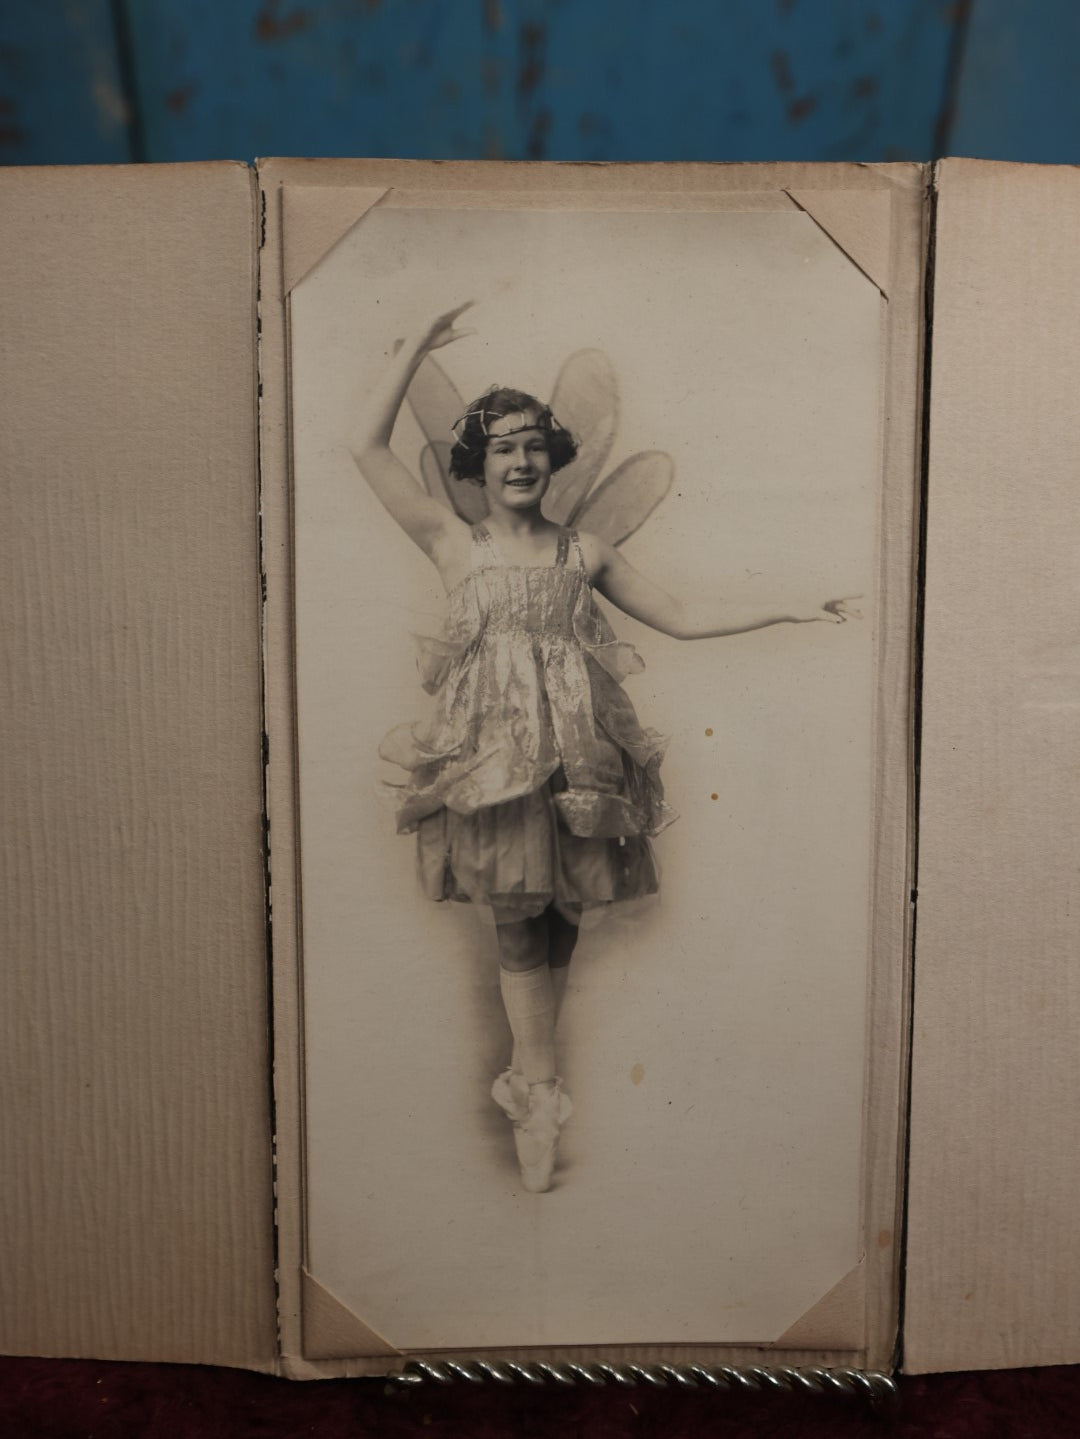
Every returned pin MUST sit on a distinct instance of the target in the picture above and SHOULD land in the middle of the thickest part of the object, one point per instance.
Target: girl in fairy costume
(532, 788)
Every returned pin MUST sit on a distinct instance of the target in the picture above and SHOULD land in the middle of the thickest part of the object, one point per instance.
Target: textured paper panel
(993, 1244)
(135, 1190)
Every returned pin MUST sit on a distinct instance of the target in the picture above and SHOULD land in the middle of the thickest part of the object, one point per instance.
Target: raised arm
(617, 580)
(423, 519)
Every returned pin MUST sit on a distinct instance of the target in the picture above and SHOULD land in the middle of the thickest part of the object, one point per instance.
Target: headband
(486, 419)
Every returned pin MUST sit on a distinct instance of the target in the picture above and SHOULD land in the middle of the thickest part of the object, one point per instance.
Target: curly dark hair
(471, 431)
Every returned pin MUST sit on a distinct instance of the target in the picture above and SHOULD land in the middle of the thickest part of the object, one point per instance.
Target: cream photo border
(876, 218)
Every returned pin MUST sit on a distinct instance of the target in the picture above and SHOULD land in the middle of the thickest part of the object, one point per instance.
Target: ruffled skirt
(520, 857)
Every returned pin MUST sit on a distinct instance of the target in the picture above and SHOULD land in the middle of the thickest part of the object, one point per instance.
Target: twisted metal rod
(872, 1385)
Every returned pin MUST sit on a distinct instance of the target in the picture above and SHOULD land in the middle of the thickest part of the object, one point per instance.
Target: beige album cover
(993, 1276)
(136, 1184)
(737, 353)
(722, 369)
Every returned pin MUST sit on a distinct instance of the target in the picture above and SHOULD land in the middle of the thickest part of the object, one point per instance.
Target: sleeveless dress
(532, 783)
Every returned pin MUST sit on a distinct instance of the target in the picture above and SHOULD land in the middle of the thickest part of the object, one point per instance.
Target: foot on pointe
(536, 1137)
(511, 1093)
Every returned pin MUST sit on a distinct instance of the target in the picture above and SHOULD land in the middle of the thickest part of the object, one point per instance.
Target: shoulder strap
(571, 537)
(484, 551)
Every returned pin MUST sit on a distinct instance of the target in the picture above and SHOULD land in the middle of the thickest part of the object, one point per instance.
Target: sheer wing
(586, 401)
(619, 506)
(466, 499)
(436, 402)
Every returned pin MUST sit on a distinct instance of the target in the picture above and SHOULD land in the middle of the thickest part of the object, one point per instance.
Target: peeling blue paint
(61, 94)
(108, 80)
(1018, 91)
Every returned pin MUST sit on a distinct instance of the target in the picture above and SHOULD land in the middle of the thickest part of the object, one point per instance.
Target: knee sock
(560, 978)
(530, 1008)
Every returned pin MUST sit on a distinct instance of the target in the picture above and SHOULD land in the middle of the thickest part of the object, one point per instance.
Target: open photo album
(542, 803)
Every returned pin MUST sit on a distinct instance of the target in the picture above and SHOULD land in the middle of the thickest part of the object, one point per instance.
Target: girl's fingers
(442, 332)
(447, 321)
(843, 609)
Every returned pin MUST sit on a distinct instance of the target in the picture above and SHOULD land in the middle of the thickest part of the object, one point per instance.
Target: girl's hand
(443, 331)
(833, 612)
(838, 612)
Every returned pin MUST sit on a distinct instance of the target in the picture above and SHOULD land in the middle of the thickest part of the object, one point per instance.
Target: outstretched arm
(617, 580)
(423, 519)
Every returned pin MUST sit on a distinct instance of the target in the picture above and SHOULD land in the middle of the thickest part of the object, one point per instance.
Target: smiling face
(517, 462)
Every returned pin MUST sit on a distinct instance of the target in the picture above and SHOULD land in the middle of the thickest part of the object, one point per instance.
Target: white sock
(529, 1002)
(560, 978)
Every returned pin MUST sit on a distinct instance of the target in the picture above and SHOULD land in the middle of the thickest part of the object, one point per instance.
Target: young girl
(533, 788)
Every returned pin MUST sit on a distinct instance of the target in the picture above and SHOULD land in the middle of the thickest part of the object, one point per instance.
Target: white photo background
(709, 1185)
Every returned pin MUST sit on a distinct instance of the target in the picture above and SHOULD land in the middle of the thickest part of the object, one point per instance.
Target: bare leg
(562, 937)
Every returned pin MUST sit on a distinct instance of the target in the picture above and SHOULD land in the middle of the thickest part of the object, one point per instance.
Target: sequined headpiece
(532, 417)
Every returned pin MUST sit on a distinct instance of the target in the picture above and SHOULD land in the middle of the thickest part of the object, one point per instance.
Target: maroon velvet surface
(62, 1399)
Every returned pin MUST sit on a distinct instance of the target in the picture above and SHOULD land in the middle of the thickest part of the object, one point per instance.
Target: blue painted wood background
(117, 80)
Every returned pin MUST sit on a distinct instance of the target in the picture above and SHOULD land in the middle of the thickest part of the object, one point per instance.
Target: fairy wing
(585, 401)
(466, 499)
(619, 506)
(436, 402)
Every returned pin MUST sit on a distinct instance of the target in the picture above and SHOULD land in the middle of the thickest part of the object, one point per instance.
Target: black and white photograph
(586, 516)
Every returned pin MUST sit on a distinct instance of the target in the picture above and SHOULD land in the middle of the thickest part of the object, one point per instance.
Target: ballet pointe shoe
(511, 1093)
(536, 1137)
